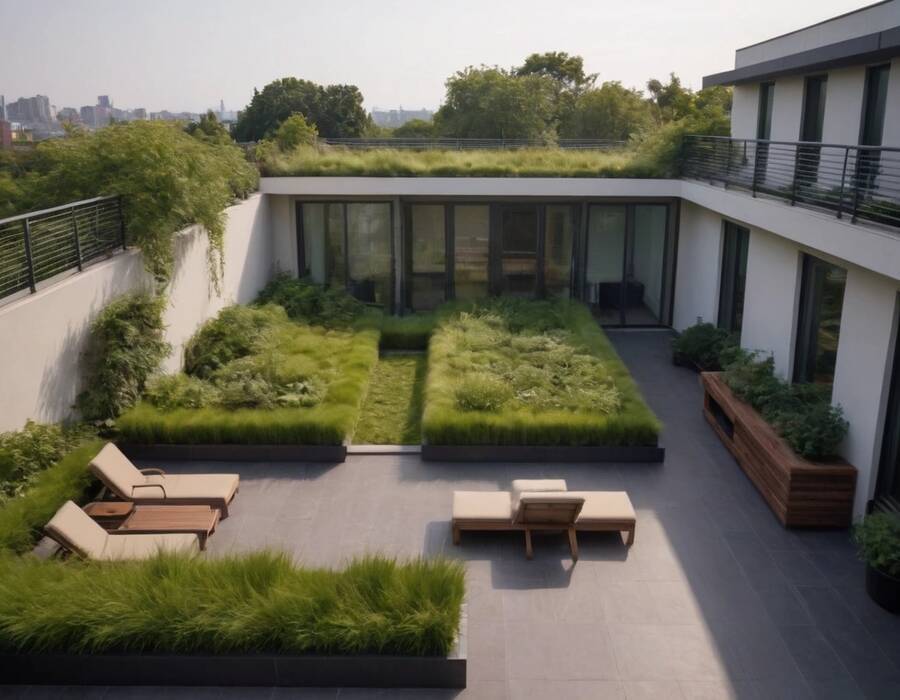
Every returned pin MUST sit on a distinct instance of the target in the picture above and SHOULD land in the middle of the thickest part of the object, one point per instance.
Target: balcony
(861, 183)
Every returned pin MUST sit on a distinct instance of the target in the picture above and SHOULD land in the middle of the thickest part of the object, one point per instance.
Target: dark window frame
(887, 483)
(806, 346)
(734, 239)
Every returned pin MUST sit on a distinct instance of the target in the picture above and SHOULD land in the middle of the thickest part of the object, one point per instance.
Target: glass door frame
(887, 480)
(496, 276)
(669, 263)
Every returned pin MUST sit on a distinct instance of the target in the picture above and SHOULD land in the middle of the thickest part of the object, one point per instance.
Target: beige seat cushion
(521, 485)
(116, 471)
(604, 506)
(481, 505)
(548, 507)
(141, 546)
(190, 486)
(75, 530)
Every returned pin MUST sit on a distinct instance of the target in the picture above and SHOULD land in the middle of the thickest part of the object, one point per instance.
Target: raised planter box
(801, 493)
(542, 453)
(237, 453)
(365, 671)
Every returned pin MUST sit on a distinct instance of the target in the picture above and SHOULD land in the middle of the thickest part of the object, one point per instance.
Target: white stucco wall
(698, 267)
(45, 334)
(745, 111)
(284, 233)
(843, 105)
(787, 108)
(891, 135)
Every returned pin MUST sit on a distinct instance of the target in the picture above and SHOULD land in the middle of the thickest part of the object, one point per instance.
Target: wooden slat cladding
(801, 493)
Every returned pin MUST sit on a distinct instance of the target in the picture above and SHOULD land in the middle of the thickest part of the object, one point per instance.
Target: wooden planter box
(800, 493)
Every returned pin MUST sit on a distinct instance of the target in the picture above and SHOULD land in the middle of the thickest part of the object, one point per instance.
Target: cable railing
(39, 245)
(465, 144)
(857, 182)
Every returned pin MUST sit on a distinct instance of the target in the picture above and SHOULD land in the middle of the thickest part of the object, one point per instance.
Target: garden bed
(516, 374)
(800, 492)
(246, 620)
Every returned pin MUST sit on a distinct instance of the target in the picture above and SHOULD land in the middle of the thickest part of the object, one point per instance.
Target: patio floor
(715, 599)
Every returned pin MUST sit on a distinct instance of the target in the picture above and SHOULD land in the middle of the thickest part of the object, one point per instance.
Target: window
(519, 250)
(819, 321)
(811, 126)
(369, 259)
(736, 242)
(763, 130)
(471, 240)
(872, 125)
(320, 243)
(426, 256)
(559, 235)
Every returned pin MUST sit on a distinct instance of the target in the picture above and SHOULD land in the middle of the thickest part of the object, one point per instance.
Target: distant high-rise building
(103, 101)
(139, 113)
(2, 108)
(30, 110)
(89, 115)
(397, 117)
(221, 106)
(68, 114)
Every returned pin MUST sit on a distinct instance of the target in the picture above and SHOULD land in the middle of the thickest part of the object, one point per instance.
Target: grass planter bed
(801, 493)
(308, 383)
(249, 620)
(509, 374)
(237, 453)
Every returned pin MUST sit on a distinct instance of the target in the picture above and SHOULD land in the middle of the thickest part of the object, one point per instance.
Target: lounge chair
(155, 487)
(74, 530)
(543, 505)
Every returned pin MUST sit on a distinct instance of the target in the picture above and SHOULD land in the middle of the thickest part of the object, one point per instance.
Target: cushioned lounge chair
(155, 487)
(74, 530)
(543, 505)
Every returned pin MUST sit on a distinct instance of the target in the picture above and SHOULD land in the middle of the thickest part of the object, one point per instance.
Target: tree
(415, 129)
(295, 131)
(611, 111)
(336, 110)
(490, 102)
(567, 71)
(209, 129)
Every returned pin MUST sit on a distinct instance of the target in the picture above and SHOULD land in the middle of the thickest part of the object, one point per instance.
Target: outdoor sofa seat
(155, 487)
(76, 531)
(543, 504)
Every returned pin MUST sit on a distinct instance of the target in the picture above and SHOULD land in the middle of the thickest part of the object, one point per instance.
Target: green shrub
(170, 391)
(877, 537)
(312, 303)
(702, 344)
(235, 333)
(126, 347)
(407, 332)
(509, 371)
(295, 131)
(22, 518)
(259, 602)
(801, 413)
(167, 179)
(36, 447)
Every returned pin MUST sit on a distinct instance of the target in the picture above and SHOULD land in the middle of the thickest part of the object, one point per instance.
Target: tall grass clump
(527, 162)
(516, 372)
(68, 479)
(257, 602)
(254, 376)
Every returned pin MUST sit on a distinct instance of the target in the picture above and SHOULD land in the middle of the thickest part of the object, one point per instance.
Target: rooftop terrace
(714, 599)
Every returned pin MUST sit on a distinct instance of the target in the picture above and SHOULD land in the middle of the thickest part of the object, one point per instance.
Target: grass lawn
(516, 372)
(392, 410)
(535, 162)
(250, 603)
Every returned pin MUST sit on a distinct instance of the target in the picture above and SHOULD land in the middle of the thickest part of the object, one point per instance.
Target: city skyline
(396, 54)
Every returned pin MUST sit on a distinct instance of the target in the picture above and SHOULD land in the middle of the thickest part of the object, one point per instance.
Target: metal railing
(859, 182)
(39, 245)
(451, 144)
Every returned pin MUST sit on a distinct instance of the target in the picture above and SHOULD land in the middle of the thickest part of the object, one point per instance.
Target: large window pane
(314, 237)
(336, 260)
(427, 256)
(519, 241)
(559, 234)
(819, 321)
(605, 261)
(734, 277)
(369, 240)
(644, 281)
(471, 231)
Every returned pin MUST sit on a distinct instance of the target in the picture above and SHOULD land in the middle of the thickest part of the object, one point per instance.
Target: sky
(187, 55)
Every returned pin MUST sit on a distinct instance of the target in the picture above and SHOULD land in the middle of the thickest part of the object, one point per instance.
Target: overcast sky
(186, 55)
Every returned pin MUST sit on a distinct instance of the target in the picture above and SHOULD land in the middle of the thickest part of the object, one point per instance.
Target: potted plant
(700, 346)
(878, 539)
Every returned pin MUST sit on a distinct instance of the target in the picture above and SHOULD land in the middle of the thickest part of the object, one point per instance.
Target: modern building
(30, 110)
(787, 234)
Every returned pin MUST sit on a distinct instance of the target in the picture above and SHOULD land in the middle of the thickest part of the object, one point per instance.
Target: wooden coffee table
(109, 514)
(199, 520)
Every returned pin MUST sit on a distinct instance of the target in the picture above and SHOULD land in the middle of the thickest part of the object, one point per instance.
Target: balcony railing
(451, 144)
(39, 245)
(857, 182)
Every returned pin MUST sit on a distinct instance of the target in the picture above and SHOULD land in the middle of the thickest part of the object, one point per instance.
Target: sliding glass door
(519, 243)
(426, 256)
(819, 321)
(736, 243)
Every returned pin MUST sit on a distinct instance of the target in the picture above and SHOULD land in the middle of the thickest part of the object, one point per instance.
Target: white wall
(787, 107)
(44, 334)
(698, 267)
(891, 135)
(770, 297)
(745, 111)
(284, 233)
(843, 105)
(865, 353)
